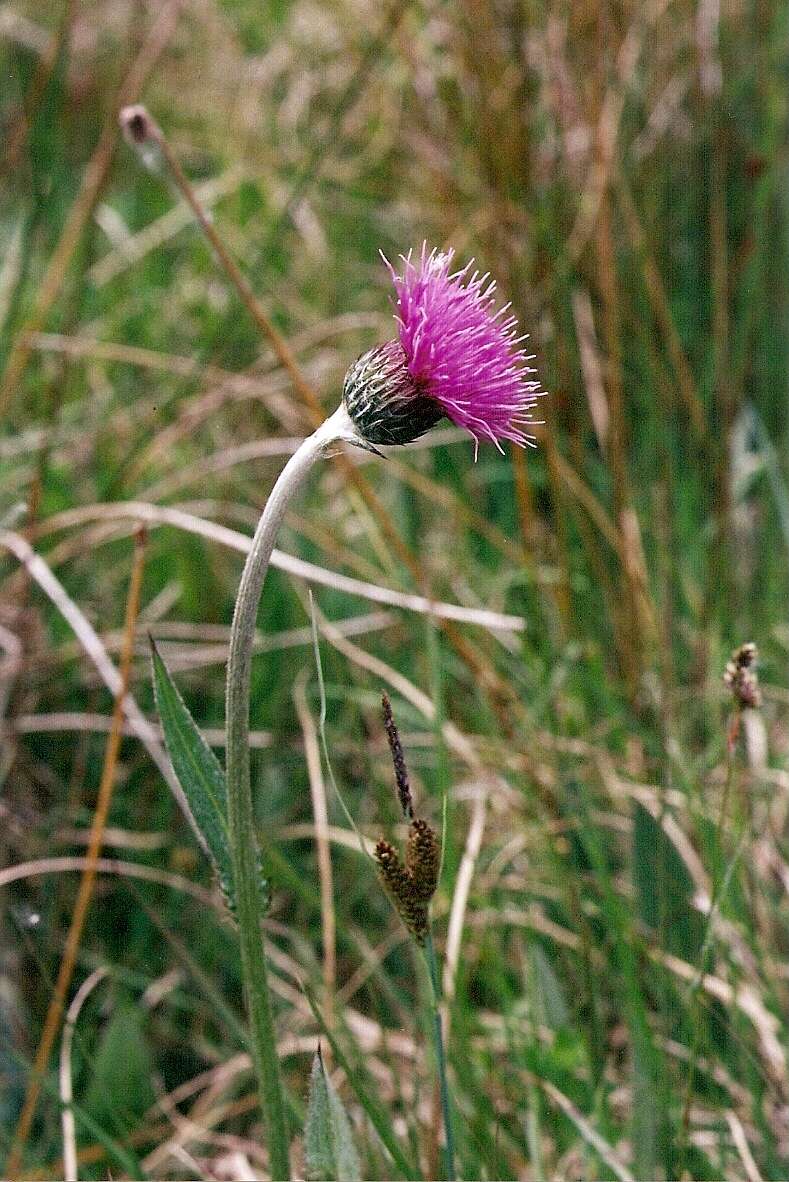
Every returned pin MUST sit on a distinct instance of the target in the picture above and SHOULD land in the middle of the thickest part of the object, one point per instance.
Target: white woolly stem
(239, 796)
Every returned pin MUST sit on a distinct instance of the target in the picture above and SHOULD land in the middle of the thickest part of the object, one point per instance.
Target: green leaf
(197, 769)
(120, 1090)
(364, 1090)
(329, 1149)
(550, 999)
(664, 889)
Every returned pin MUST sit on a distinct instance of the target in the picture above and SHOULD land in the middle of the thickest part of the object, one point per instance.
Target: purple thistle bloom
(467, 355)
(456, 356)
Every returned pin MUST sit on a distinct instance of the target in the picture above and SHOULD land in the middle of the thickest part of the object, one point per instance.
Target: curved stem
(240, 813)
(441, 1061)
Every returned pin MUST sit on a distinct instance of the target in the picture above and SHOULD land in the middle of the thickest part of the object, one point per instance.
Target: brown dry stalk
(524, 499)
(562, 549)
(140, 128)
(93, 180)
(636, 629)
(719, 582)
(561, 414)
(85, 890)
(532, 540)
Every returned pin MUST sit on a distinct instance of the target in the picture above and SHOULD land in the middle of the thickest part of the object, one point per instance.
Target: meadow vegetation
(611, 919)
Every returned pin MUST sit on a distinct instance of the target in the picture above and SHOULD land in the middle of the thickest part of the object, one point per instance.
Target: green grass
(597, 733)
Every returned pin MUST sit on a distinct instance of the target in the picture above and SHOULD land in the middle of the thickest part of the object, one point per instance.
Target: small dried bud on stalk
(136, 124)
(741, 678)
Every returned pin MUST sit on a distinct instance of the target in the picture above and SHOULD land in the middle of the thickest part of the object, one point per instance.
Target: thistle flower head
(456, 355)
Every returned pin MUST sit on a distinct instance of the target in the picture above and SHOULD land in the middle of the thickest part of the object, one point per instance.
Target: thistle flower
(455, 355)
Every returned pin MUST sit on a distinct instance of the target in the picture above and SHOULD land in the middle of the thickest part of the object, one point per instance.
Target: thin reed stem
(140, 128)
(47, 64)
(441, 1061)
(240, 813)
(67, 1122)
(719, 892)
(322, 844)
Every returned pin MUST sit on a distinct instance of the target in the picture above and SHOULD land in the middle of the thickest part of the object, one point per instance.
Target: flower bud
(386, 404)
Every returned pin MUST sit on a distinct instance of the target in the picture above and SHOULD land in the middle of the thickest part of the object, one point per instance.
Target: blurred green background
(621, 169)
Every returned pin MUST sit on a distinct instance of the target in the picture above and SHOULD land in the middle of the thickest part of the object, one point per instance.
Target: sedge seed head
(423, 858)
(402, 782)
(399, 885)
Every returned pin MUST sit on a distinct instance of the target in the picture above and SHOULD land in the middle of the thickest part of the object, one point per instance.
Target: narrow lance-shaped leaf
(197, 768)
(329, 1149)
(364, 1090)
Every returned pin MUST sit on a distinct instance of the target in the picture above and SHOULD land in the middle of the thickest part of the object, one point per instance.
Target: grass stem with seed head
(411, 885)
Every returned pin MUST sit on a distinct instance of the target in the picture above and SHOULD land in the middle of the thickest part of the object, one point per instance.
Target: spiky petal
(461, 351)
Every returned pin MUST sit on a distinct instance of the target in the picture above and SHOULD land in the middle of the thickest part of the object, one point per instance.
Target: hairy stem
(441, 1061)
(239, 795)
